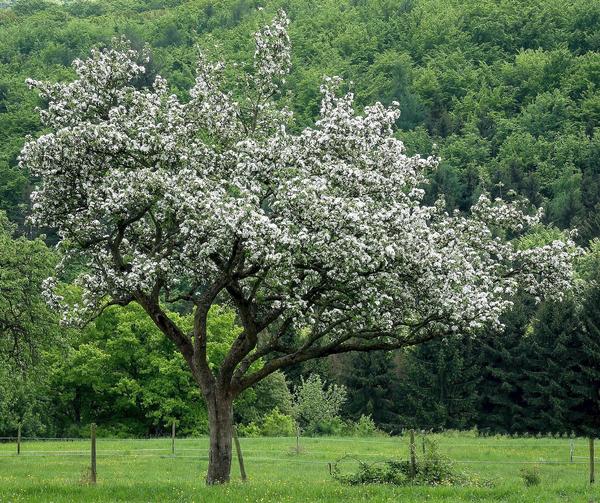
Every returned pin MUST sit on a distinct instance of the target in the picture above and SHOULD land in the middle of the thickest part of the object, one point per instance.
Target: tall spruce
(439, 385)
(552, 371)
(372, 382)
(502, 360)
(562, 375)
(586, 414)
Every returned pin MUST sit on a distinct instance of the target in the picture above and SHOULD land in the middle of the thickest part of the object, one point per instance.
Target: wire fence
(477, 441)
(253, 454)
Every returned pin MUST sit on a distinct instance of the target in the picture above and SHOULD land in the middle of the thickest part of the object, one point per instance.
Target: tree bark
(220, 423)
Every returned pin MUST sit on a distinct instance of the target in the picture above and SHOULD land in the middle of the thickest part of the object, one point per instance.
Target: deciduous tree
(322, 233)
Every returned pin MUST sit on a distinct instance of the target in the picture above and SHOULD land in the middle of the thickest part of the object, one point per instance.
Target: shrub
(434, 468)
(431, 469)
(248, 430)
(531, 475)
(332, 426)
(364, 427)
(276, 424)
(387, 472)
(254, 403)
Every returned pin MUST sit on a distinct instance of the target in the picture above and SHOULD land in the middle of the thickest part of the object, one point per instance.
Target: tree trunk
(220, 424)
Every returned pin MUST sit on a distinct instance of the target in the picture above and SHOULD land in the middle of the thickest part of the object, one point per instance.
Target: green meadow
(146, 470)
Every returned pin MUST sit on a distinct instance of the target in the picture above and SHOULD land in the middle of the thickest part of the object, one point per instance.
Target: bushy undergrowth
(274, 424)
(431, 469)
(278, 424)
(531, 475)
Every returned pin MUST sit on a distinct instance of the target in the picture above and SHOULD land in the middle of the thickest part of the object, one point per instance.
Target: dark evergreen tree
(372, 382)
(502, 360)
(553, 369)
(439, 385)
(562, 386)
(585, 418)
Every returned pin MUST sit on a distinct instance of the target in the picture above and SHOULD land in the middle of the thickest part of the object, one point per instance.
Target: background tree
(317, 405)
(25, 320)
(438, 387)
(563, 378)
(503, 360)
(372, 382)
(214, 199)
(553, 363)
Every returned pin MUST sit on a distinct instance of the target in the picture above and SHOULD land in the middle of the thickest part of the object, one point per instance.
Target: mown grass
(145, 471)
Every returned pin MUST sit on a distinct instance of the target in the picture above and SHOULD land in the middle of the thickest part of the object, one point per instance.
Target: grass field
(145, 471)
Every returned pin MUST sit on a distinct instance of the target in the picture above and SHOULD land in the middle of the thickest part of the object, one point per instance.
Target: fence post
(592, 475)
(239, 454)
(413, 461)
(173, 438)
(19, 439)
(423, 443)
(571, 450)
(93, 467)
(297, 439)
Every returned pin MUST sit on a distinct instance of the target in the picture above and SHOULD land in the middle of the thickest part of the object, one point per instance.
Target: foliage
(276, 424)
(531, 475)
(431, 469)
(327, 426)
(256, 402)
(438, 385)
(121, 373)
(506, 93)
(516, 93)
(318, 231)
(373, 386)
(24, 402)
(364, 427)
(249, 430)
(317, 405)
(25, 320)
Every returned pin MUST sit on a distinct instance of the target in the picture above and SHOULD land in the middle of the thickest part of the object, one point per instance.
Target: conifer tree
(502, 360)
(587, 411)
(562, 374)
(439, 385)
(552, 371)
(372, 383)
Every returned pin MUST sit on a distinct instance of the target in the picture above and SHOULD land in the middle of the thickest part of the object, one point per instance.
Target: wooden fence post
(571, 450)
(19, 439)
(413, 461)
(239, 454)
(173, 438)
(93, 460)
(423, 444)
(297, 439)
(592, 475)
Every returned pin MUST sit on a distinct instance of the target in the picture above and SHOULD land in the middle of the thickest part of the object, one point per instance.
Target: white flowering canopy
(320, 239)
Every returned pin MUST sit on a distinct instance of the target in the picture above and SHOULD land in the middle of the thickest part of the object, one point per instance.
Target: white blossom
(322, 231)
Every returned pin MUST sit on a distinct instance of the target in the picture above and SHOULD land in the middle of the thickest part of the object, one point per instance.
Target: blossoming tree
(319, 239)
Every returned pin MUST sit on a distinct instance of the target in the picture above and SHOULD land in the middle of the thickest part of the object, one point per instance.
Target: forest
(507, 95)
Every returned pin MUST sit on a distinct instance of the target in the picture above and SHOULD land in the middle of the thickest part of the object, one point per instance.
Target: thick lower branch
(331, 349)
(171, 330)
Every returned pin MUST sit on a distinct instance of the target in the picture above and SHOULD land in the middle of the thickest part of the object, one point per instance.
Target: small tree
(319, 239)
(315, 402)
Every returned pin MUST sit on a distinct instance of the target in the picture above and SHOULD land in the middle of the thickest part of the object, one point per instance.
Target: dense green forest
(505, 92)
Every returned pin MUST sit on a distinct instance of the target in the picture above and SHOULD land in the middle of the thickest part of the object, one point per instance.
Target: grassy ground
(145, 471)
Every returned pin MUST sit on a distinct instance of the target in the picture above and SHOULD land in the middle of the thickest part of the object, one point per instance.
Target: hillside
(508, 92)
